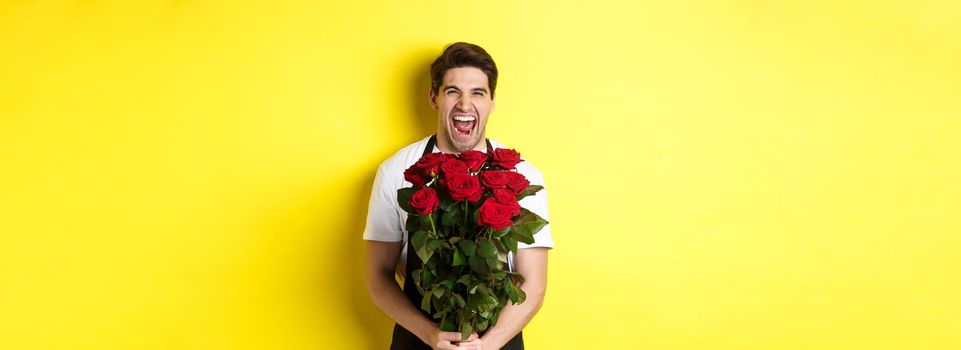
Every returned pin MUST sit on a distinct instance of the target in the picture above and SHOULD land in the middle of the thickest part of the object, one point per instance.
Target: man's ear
(432, 98)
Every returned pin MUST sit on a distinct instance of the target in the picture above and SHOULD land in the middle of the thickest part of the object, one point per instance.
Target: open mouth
(464, 125)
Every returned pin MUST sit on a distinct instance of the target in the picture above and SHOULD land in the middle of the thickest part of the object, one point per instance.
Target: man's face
(463, 102)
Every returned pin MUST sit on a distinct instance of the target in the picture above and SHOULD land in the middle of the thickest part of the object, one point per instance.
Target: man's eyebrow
(482, 89)
(446, 87)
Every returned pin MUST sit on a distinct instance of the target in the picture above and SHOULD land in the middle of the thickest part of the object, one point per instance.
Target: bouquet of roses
(464, 219)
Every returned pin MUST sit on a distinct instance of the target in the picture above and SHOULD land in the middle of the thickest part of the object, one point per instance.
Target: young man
(463, 79)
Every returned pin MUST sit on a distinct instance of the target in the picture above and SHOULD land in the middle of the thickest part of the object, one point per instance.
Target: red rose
(424, 201)
(464, 187)
(506, 197)
(494, 215)
(517, 182)
(452, 166)
(430, 162)
(416, 176)
(474, 159)
(495, 178)
(506, 158)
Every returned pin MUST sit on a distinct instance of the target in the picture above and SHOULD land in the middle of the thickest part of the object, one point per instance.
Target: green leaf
(483, 289)
(510, 243)
(459, 300)
(530, 190)
(501, 233)
(482, 325)
(482, 302)
(439, 291)
(432, 245)
(446, 202)
(448, 282)
(452, 217)
(493, 263)
(414, 224)
(521, 296)
(440, 314)
(447, 325)
(468, 246)
(425, 220)
(428, 279)
(458, 258)
(465, 330)
(425, 302)
(403, 198)
(437, 305)
(499, 244)
(502, 256)
(516, 295)
(526, 226)
(477, 264)
(485, 248)
(419, 241)
(516, 277)
(523, 237)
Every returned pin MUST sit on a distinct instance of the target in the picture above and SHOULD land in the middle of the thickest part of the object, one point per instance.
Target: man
(463, 79)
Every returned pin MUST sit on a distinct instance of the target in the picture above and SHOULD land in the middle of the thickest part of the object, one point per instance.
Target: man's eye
(451, 92)
(478, 93)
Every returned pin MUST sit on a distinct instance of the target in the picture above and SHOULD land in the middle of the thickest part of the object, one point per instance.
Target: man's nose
(463, 103)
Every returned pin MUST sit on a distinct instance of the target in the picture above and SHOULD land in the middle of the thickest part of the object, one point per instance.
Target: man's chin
(462, 146)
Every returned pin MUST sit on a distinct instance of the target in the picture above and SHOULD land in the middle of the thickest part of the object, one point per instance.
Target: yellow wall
(723, 175)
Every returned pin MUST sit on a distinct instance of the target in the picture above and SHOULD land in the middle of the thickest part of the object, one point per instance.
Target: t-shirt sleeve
(383, 217)
(537, 204)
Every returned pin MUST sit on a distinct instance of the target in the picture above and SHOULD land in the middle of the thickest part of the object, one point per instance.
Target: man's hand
(451, 340)
(474, 342)
(444, 340)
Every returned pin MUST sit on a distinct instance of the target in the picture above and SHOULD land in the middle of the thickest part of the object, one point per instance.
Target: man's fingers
(474, 344)
(445, 340)
(449, 336)
(446, 345)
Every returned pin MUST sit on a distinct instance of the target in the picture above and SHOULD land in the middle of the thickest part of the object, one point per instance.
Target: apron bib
(403, 339)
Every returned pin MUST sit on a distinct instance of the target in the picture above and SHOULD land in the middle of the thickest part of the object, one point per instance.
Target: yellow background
(723, 174)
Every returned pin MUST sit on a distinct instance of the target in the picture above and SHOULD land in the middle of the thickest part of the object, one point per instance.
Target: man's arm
(532, 264)
(387, 295)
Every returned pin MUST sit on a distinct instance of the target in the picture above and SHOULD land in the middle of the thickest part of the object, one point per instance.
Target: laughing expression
(463, 101)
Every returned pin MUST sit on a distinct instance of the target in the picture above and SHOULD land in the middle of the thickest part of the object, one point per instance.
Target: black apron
(402, 338)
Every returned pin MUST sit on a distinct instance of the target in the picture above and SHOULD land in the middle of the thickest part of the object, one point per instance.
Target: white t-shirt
(386, 220)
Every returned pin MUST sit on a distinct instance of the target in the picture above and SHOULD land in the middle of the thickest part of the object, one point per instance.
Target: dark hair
(461, 54)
